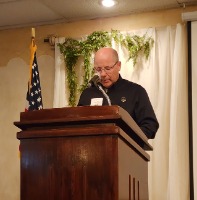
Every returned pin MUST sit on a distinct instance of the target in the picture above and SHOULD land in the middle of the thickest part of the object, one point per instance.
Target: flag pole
(33, 48)
(33, 32)
(33, 35)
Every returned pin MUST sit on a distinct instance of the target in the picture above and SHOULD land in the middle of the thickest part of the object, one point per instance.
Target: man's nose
(103, 72)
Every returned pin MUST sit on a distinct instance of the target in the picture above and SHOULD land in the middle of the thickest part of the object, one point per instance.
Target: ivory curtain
(164, 76)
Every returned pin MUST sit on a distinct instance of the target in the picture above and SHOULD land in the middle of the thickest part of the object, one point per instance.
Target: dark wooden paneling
(82, 161)
(69, 168)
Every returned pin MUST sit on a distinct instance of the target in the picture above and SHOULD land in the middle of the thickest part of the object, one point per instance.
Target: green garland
(73, 49)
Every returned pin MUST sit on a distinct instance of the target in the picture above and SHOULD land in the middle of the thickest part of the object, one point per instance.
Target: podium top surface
(84, 115)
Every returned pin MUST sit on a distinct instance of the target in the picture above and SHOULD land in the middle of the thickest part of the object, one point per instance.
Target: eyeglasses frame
(104, 68)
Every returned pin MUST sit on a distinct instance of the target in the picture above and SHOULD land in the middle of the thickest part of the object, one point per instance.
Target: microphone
(94, 81)
(104, 93)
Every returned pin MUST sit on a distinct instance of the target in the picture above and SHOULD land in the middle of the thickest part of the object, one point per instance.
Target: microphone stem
(104, 93)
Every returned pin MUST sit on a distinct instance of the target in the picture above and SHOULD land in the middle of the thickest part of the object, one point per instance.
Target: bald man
(128, 95)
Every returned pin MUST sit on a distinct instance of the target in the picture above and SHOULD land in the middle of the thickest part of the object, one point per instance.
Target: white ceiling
(22, 13)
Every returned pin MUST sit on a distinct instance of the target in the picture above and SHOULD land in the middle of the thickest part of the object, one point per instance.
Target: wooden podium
(82, 153)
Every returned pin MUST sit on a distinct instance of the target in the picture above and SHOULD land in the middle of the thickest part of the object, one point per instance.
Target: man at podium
(109, 88)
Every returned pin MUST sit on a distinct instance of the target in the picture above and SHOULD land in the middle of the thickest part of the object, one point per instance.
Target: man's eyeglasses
(106, 69)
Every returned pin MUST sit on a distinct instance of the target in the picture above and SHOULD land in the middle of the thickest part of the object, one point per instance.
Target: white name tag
(97, 102)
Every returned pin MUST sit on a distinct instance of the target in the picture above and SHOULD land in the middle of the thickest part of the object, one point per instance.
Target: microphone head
(94, 81)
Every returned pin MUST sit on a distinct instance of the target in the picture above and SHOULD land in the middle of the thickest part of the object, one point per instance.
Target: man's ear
(119, 65)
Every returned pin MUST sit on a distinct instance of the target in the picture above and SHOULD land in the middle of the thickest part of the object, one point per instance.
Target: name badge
(97, 102)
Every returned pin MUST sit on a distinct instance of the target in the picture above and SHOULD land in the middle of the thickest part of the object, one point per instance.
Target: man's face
(108, 68)
(109, 72)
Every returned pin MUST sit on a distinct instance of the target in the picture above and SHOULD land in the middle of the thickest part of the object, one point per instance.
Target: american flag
(34, 96)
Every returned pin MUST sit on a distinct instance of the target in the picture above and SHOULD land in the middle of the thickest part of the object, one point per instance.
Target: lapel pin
(123, 99)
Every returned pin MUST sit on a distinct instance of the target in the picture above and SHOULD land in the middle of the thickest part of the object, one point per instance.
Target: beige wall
(14, 69)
